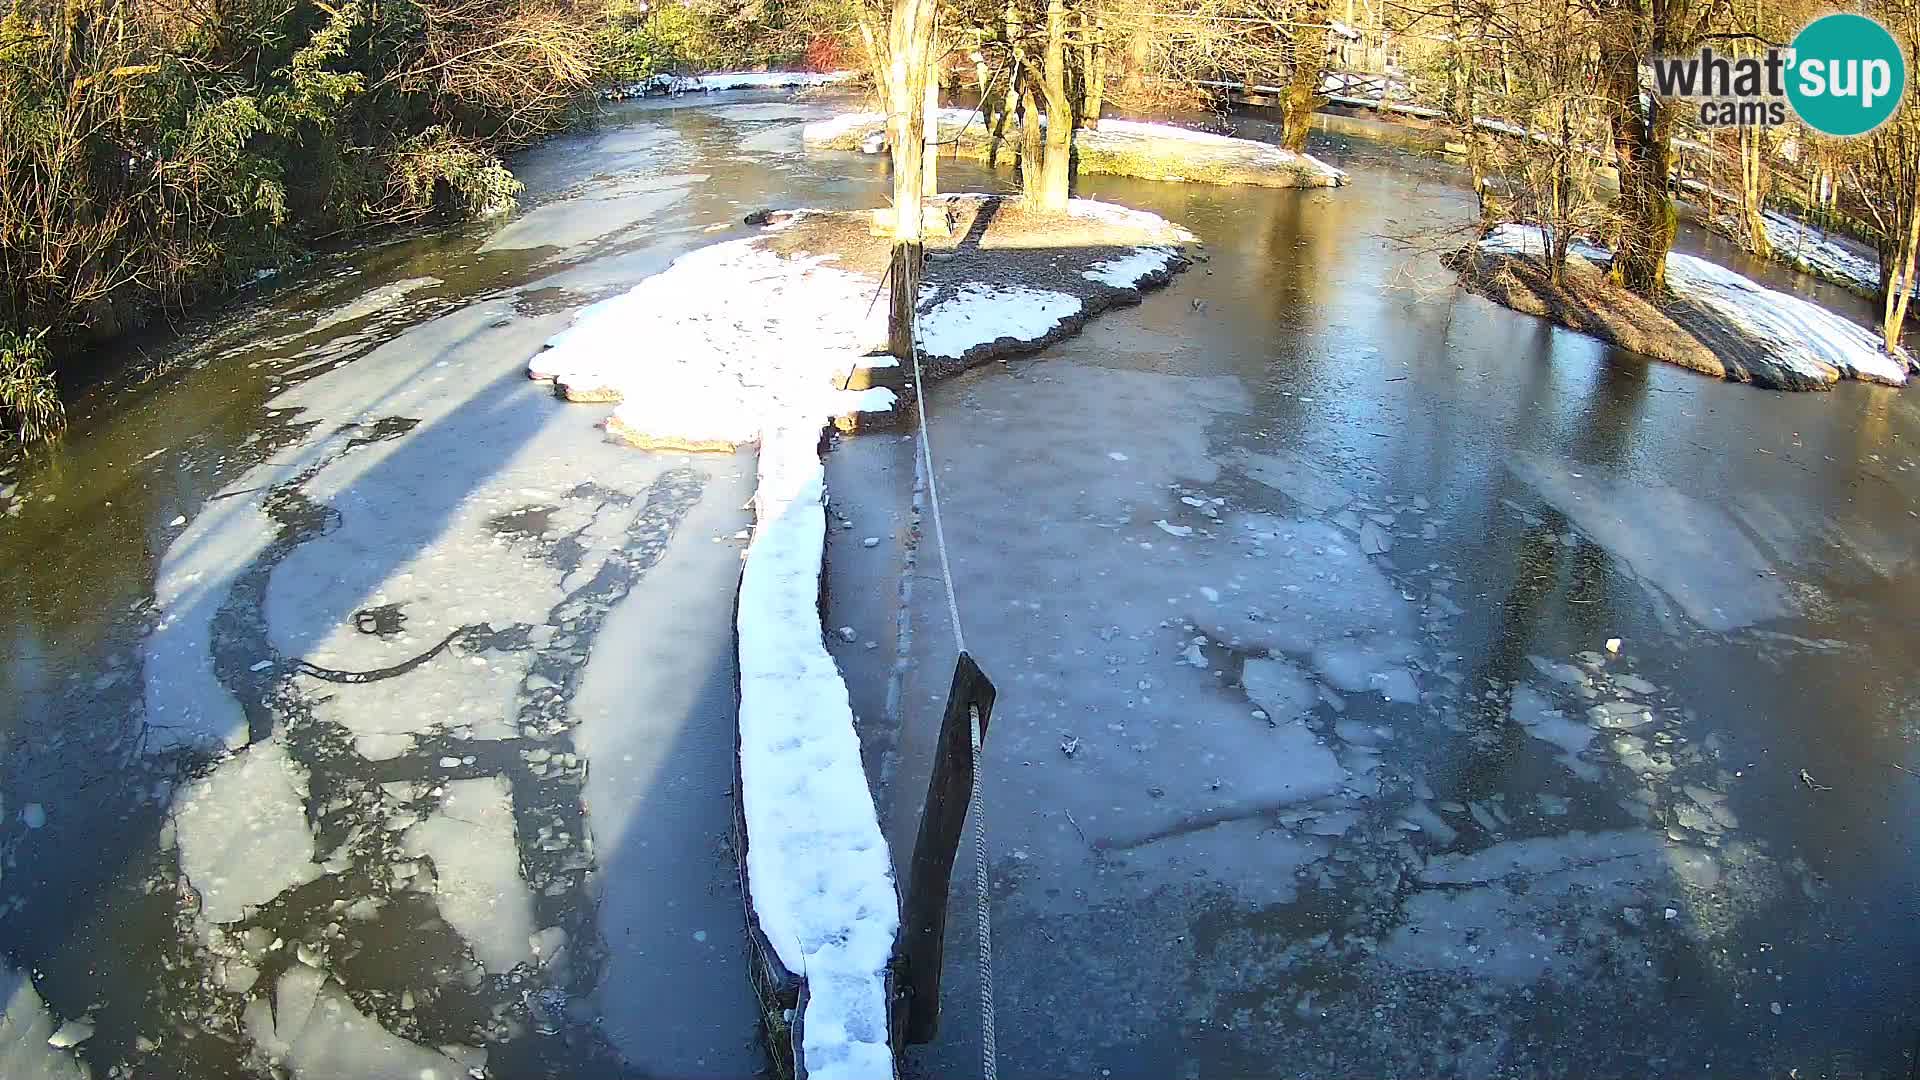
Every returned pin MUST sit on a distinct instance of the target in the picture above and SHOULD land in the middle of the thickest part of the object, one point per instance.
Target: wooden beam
(924, 923)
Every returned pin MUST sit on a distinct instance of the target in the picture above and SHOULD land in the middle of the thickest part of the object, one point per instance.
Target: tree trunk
(1139, 53)
(1906, 275)
(929, 168)
(909, 60)
(1463, 72)
(1642, 143)
(1056, 170)
(1309, 66)
(1031, 141)
(909, 63)
(1753, 180)
(1097, 74)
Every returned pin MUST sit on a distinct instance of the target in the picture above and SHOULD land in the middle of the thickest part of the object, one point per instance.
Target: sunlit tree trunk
(929, 168)
(1309, 67)
(909, 67)
(1032, 142)
(1901, 283)
(1096, 72)
(1056, 169)
(1642, 142)
(1753, 180)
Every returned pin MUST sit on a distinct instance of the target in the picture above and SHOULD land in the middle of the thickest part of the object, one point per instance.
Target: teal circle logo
(1847, 74)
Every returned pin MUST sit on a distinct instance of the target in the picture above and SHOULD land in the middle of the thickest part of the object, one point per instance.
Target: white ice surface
(25, 1027)
(1803, 336)
(1688, 549)
(185, 703)
(243, 831)
(312, 1028)
(479, 890)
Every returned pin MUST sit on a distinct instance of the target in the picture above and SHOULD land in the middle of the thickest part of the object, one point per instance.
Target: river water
(480, 664)
(1391, 684)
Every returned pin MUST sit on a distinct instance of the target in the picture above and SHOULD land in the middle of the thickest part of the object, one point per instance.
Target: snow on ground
(1800, 334)
(733, 344)
(1116, 214)
(476, 867)
(715, 369)
(1133, 267)
(1821, 254)
(976, 313)
(1796, 333)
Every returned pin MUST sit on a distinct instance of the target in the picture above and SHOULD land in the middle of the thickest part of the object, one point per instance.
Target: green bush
(29, 401)
(151, 149)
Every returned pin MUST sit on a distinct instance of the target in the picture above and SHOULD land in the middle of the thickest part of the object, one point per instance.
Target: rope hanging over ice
(989, 1057)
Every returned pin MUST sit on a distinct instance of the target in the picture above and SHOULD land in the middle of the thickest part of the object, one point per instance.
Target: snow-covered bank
(1116, 147)
(752, 341)
(1754, 333)
(1824, 255)
(665, 83)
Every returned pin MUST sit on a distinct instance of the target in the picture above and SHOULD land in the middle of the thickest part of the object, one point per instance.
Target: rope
(933, 495)
(976, 805)
(989, 1054)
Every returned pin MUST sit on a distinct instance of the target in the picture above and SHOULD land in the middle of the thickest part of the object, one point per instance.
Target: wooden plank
(924, 924)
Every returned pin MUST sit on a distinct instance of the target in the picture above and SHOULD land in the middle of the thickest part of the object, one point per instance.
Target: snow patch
(714, 369)
(978, 314)
(1129, 270)
(1801, 335)
(1821, 254)
(1126, 216)
(833, 127)
(817, 864)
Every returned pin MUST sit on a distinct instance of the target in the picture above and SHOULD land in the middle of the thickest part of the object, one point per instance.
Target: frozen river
(1394, 685)
(366, 714)
(473, 664)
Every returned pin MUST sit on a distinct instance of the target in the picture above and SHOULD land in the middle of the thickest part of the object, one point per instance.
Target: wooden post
(904, 279)
(924, 923)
